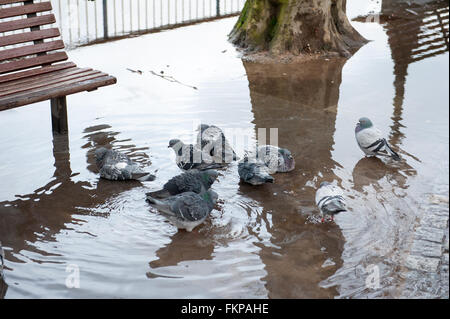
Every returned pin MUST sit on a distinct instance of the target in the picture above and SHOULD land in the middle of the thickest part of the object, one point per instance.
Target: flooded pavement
(56, 216)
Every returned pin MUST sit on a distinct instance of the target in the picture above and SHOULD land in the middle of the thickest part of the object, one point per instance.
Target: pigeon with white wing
(371, 140)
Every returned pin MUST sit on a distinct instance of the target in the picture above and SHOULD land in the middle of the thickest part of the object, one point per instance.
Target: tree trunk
(296, 27)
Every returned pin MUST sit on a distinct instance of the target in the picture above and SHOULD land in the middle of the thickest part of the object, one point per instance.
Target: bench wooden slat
(44, 80)
(30, 50)
(27, 23)
(26, 9)
(42, 77)
(67, 88)
(32, 72)
(29, 36)
(31, 62)
(20, 95)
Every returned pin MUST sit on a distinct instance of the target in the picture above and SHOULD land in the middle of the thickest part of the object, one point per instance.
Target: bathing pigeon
(278, 160)
(190, 157)
(116, 166)
(370, 140)
(2, 260)
(191, 181)
(330, 200)
(254, 173)
(212, 141)
(186, 210)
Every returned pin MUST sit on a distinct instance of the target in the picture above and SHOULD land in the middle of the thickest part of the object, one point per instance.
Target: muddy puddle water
(56, 215)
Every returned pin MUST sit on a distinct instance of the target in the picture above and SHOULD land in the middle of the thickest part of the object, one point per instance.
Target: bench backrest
(33, 46)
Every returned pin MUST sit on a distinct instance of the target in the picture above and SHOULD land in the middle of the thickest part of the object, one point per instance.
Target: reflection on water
(300, 100)
(415, 34)
(370, 170)
(259, 241)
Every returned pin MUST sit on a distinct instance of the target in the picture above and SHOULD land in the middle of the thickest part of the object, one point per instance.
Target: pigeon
(371, 142)
(278, 160)
(186, 210)
(254, 173)
(191, 181)
(190, 157)
(116, 166)
(212, 141)
(330, 200)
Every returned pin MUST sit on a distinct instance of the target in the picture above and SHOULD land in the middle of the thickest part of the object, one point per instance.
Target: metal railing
(87, 21)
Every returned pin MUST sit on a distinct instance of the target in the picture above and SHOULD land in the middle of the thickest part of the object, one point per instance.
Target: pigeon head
(210, 197)
(209, 176)
(175, 142)
(364, 122)
(100, 154)
(324, 184)
(286, 161)
(202, 127)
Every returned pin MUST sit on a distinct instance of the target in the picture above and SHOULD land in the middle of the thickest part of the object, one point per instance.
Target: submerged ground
(259, 242)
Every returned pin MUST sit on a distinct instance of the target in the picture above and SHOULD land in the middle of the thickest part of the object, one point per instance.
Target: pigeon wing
(369, 137)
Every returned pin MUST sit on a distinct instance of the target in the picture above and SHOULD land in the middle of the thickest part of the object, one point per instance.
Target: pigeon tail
(391, 152)
(162, 207)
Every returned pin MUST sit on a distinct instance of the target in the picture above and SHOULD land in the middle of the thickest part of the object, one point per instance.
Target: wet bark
(296, 27)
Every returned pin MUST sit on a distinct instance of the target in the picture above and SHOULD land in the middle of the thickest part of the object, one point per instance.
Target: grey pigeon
(330, 200)
(277, 159)
(116, 166)
(190, 157)
(371, 141)
(212, 141)
(191, 181)
(254, 173)
(186, 210)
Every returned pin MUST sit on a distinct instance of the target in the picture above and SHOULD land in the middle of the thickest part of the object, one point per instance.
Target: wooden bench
(31, 67)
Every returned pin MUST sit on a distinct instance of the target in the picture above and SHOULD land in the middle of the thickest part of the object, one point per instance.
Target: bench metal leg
(59, 115)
